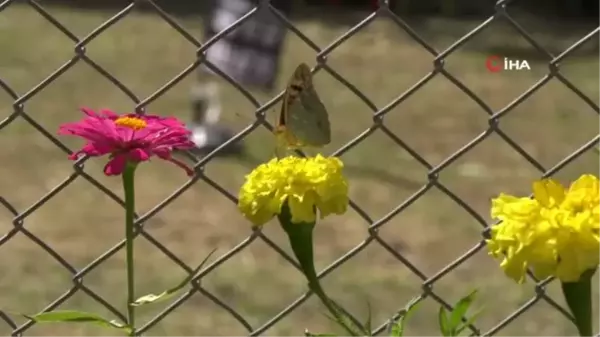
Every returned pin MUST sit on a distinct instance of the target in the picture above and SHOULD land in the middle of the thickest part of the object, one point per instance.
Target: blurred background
(143, 52)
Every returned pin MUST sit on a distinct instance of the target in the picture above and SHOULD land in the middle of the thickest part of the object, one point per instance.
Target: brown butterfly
(303, 119)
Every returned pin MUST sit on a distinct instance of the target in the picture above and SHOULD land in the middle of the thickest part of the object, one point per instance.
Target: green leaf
(309, 334)
(300, 236)
(469, 321)
(152, 298)
(72, 316)
(369, 321)
(344, 319)
(443, 322)
(578, 296)
(348, 319)
(398, 327)
(460, 311)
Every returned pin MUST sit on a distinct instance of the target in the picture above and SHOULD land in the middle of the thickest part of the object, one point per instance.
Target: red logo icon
(494, 63)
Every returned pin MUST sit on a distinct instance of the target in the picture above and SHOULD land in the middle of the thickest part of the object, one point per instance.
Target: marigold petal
(302, 208)
(548, 192)
(334, 206)
(557, 234)
(307, 184)
(584, 193)
(510, 207)
(514, 268)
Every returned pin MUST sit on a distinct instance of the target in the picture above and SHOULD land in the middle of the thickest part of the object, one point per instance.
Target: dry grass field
(80, 222)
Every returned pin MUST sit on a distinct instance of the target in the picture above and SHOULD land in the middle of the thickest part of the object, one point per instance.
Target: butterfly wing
(308, 119)
(290, 96)
(303, 116)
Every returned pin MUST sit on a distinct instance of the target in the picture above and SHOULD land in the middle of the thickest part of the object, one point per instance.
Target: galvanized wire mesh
(79, 55)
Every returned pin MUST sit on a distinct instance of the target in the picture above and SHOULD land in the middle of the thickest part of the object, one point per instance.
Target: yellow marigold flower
(308, 184)
(555, 234)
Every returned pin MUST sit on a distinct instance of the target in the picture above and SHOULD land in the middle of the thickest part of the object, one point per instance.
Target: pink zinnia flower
(129, 138)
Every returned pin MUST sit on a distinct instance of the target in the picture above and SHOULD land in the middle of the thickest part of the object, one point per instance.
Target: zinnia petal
(116, 165)
(138, 155)
(129, 137)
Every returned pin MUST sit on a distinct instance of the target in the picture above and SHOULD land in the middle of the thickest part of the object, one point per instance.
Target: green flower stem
(129, 189)
(579, 299)
(301, 241)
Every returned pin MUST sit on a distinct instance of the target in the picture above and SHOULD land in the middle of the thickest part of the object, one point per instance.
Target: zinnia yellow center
(131, 122)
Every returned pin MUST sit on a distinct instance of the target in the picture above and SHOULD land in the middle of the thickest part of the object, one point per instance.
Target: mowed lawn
(143, 52)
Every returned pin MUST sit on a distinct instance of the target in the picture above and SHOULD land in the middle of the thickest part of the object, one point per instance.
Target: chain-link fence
(19, 112)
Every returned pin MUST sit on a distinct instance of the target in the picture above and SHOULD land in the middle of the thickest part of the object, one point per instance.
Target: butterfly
(303, 119)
